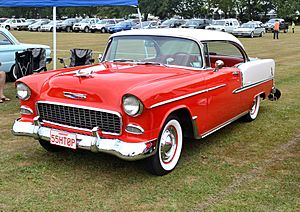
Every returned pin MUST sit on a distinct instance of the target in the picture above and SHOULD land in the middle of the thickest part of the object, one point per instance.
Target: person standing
(293, 26)
(276, 29)
(2, 83)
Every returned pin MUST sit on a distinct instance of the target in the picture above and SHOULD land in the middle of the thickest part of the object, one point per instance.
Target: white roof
(195, 34)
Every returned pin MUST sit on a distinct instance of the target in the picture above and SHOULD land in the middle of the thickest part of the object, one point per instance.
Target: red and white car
(152, 89)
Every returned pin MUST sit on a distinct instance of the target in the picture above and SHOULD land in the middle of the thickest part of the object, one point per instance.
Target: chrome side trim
(238, 90)
(187, 96)
(83, 107)
(94, 143)
(223, 125)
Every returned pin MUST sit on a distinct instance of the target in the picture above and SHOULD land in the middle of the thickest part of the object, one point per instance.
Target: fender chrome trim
(241, 89)
(187, 96)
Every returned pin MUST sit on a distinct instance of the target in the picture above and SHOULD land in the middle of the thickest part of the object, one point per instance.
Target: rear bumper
(119, 148)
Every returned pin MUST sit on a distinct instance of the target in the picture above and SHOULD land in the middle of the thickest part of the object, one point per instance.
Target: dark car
(196, 23)
(172, 23)
(269, 26)
(124, 25)
(26, 24)
(37, 25)
(67, 24)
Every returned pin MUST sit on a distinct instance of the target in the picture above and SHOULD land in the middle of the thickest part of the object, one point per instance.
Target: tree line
(242, 9)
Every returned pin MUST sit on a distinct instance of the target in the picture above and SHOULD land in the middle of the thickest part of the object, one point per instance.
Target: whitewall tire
(169, 148)
(253, 113)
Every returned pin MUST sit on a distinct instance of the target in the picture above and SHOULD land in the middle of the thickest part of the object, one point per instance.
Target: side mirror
(100, 57)
(218, 64)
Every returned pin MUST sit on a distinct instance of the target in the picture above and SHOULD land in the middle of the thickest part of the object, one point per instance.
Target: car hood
(107, 83)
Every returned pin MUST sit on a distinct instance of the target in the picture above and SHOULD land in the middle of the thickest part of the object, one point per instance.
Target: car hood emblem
(74, 95)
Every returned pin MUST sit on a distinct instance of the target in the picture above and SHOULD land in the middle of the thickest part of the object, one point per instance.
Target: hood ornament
(84, 73)
(74, 95)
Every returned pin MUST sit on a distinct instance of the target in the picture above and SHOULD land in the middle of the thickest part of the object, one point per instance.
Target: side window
(225, 51)
(4, 40)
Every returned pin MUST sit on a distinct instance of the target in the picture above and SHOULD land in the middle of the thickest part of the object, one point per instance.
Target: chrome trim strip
(187, 96)
(223, 125)
(71, 95)
(137, 127)
(83, 107)
(26, 108)
(122, 149)
(238, 90)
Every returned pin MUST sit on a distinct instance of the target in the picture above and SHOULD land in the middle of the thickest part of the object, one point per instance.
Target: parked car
(152, 89)
(3, 20)
(196, 23)
(224, 25)
(269, 26)
(9, 45)
(26, 24)
(250, 29)
(11, 23)
(85, 25)
(172, 23)
(102, 25)
(121, 26)
(146, 25)
(49, 27)
(37, 26)
(67, 24)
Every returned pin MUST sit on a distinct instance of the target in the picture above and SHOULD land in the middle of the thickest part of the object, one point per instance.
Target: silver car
(250, 29)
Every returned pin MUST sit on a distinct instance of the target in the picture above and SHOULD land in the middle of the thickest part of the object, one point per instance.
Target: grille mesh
(80, 117)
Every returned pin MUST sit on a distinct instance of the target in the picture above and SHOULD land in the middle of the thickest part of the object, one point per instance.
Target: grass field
(245, 166)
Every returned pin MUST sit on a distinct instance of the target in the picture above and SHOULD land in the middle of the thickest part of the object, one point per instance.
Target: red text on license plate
(62, 138)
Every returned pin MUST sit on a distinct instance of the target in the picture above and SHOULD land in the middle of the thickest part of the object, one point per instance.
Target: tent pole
(54, 38)
(140, 15)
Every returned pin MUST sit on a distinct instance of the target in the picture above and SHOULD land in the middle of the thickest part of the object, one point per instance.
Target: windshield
(192, 22)
(218, 23)
(102, 22)
(85, 21)
(8, 21)
(248, 26)
(167, 22)
(155, 49)
(122, 23)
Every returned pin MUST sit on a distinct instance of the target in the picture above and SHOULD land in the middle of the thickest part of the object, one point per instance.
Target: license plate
(62, 138)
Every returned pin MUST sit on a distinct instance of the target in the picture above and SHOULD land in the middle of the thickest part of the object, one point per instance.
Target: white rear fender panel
(258, 70)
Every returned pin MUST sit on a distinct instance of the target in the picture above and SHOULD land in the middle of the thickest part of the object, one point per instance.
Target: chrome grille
(80, 117)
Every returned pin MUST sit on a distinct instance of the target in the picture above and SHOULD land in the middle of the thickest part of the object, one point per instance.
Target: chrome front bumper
(121, 149)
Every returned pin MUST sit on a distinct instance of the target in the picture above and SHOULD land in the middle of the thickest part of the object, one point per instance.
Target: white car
(85, 24)
(224, 25)
(102, 25)
(12, 23)
(250, 29)
(48, 27)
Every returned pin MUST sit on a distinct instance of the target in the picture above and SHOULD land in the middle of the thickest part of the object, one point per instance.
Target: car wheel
(86, 29)
(38, 29)
(50, 147)
(254, 110)
(7, 27)
(261, 34)
(103, 30)
(251, 35)
(68, 29)
(51, 29)
(169, 148)
(12, 75)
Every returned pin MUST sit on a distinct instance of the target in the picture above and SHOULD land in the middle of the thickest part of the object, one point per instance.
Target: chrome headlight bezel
(23, 91)
(132, 101)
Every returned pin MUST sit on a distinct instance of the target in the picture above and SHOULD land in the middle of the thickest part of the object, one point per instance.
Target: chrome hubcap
(168, 144)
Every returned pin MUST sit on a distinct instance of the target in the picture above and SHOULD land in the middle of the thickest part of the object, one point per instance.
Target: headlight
(23, 92)
(132, 105)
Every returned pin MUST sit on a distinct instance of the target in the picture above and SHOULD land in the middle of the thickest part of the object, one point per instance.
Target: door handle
(235, 73)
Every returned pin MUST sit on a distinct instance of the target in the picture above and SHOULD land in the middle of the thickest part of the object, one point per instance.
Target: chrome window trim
(82, 107)
(187, 96)
(243, 88)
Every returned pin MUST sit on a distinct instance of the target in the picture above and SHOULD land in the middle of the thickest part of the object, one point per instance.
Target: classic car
(85, 24)
(102, 25)
(121, 26)
(9, 45)
(151, 89)
(224, 25)
(196, 23)
(250, 29)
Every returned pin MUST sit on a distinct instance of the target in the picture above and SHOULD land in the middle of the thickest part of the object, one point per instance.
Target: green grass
(245, 166)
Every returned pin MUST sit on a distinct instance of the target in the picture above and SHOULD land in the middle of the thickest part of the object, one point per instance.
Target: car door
(222, 103)
(7, 52)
